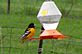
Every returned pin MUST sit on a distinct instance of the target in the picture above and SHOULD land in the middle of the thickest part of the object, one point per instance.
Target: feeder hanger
(48, 0)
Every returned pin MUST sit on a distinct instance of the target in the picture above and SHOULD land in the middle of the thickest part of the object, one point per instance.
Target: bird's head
(31, 25)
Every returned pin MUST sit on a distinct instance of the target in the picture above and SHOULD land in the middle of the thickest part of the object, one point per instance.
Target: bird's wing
(26, 30)
(26, 34)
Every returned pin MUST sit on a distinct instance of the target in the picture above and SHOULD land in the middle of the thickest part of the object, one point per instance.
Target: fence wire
(10, 44)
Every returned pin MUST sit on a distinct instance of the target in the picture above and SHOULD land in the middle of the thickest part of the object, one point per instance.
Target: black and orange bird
(29, 32)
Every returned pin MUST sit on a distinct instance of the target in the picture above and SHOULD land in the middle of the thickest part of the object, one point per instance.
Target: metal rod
(8, 9)
(40, 47)
(40, 43)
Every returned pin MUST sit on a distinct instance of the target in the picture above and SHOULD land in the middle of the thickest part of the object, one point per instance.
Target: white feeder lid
(49, 15)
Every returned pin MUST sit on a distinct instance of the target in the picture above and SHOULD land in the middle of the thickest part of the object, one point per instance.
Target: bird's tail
(22, 40)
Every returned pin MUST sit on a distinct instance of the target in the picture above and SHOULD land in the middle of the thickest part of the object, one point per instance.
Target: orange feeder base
(51, 34)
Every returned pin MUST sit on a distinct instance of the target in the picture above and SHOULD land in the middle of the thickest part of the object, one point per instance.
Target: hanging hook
(48, 0)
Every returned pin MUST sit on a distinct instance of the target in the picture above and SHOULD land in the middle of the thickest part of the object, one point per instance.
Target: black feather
(31, 25)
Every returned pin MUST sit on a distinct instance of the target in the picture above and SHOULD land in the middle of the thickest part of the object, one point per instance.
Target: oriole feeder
(49, 16)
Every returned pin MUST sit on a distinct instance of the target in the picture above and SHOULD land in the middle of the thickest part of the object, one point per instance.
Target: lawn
(22, 13)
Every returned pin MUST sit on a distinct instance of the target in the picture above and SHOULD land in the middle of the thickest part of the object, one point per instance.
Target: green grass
(71, 27)
(22, 13)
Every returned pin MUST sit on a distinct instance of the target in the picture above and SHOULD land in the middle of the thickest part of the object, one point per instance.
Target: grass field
(24, 12)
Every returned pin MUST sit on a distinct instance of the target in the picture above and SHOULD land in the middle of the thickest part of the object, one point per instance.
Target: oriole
(29, 33)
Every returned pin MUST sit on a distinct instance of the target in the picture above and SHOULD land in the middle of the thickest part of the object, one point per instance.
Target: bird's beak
(34, 25)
